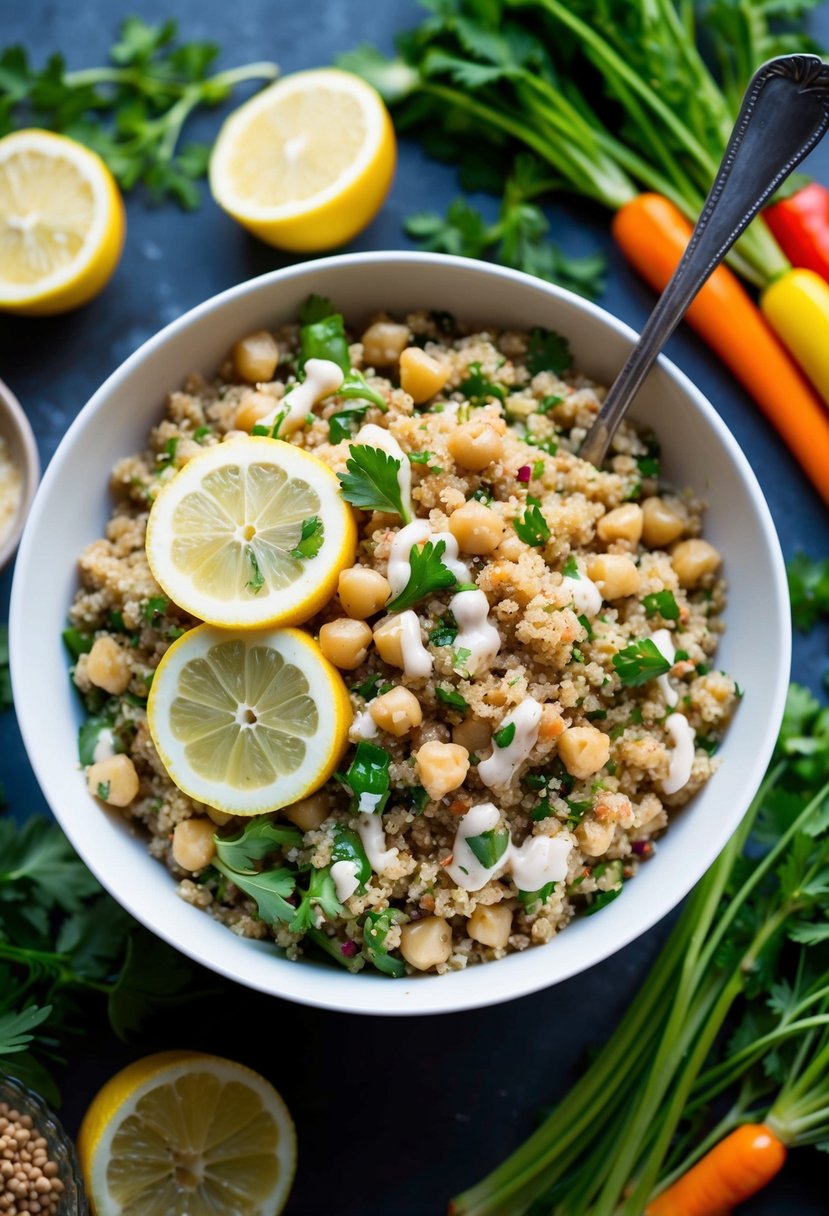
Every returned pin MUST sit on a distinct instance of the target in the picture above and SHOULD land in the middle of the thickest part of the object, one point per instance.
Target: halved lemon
(307, 163)
(185, 1134)
(248, 722)
(61, 223)
(224, 536)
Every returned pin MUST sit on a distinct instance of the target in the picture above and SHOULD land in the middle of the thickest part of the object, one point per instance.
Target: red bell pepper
(800, 225)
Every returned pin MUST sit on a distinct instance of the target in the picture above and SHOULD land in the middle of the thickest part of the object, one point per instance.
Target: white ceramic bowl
(71, 509)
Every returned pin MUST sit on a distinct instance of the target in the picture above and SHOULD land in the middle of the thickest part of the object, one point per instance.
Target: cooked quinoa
(532, 521)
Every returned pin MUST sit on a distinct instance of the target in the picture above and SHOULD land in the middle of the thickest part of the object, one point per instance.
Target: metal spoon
(784, 114)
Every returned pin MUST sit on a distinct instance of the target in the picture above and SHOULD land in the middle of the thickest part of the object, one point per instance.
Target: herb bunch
(131, 111)
(62, 939)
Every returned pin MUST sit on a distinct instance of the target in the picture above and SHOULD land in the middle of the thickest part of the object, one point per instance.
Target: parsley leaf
(271, 890)
(321, 893)
(369, 689)
(547, 351)
(504, 736)
(490, 846)
(451, 698)
(257, 579)
(371, 481)
(639, 662)
(316, 308)
(428, 574)
(444, 632)
(530, 898)
(259, 839)
(376, 926)
(662, 603)
(478, 388)
(532, 527)
(368, 779)
(75, 641)
(311, 538)
(808, 589)
(571, 568)
(344, 423)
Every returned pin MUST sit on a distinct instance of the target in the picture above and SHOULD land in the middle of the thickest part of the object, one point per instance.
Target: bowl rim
(426, 994)
(30, 470)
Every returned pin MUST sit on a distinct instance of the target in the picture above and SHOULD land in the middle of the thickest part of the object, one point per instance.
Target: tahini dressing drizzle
(539, 860)
(661, 639)
(370, 829)
(499, 768)
(322, 378)
(346, 881)
(475, 633)
(682, 756)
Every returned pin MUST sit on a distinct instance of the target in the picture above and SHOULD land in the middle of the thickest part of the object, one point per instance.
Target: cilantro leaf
(368, 779)
(428, 574)
(808, 589)
(489, 847)
(310, 540)
(662, 603)
(532, 527)
(259, 838)
(639, 662)
(371, 481)
(548, 351)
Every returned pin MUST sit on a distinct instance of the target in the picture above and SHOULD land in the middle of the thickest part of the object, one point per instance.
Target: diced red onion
(524, 473)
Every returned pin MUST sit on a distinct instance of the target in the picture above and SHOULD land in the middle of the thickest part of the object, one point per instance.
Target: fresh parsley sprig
(131, 111)
(640, 662)
(259, 839)
(428, 574)
(371, 481)
(661, 603)
(808, 589)
(532, 527)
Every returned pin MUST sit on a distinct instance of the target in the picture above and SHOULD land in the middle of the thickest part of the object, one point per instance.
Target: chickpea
(442, 767)
(426, 943)
(583, 750)
(623, 523)
(383, 343)
(511, 547)
(693, 559)
(345, 642)
(476, 528)
(475, 445)
(661, 525)
(255, 357)
(250, 409)
(308, 813)
(113, 780)
(388, 638)
(594, 838)
(108, 666)
(193, 844)
(474, 734)
(362, 591)
(615, 574)
(396, 711)
(491, 925)
(421, 376)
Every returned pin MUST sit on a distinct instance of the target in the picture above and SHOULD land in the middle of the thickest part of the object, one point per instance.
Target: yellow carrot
(796, 305)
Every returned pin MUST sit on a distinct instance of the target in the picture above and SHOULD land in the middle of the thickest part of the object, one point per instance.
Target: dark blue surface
(426, 1106)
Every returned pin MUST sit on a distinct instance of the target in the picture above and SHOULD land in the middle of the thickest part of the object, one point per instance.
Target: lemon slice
(223, 534)
(248, 722)
(185, 1134)
(61, 223)
(306, 163)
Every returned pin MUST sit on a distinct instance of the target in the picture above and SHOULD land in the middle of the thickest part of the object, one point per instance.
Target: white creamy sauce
(322, 378)
(104, 746)
(465, 869)
(587, 598)
(345, 878)
(682, 756)
(663, 642)
(417, 662)
(368, 803)
(498, 768)
(475, 631)
(370, 829)
(539, 860)
(416, 533)
(378, 437)
(363, 726)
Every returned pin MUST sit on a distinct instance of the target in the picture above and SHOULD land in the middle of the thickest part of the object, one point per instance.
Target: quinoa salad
(525, 646)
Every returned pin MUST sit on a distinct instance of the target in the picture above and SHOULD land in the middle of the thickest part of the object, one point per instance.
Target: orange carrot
(734, 1170)
(652, 234)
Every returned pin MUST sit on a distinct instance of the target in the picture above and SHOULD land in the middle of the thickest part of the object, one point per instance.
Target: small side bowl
(16, 429)
(72, 507)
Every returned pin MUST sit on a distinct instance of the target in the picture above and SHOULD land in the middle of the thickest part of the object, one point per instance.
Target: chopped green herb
(310, 540)
(532, 527)
(482, 495)
(166, 457)
(368, 779)
(602, 898)
(586, 626)
(444, 632)
(90, 731)
(257, 580)
(478, 388)
(271, 889)
(103, 790)
(76, 642)
(530, 898)
(376, 926)
(116, 621)
(578, 809)
(451, 698)
(550, 445)
(681, 656)
(542, 811)
(323, 337)
(702, 669)
(649, 466)
(547, 351)
(368, 690)
(571, 569)
(344, 423)
(536, 781)
(490, 846)
(315, 308)
(321, 893)
(427, 574)
(155, 607)
(538, 469)
(639, 662)
(259, 838)
(577, 655)
(597, 715)
(548, 403)
(662, 603)
(421, 457)
(808, 589)
(349, 847)
(371, 481)
(707, 743)
(460, 658)
(504, 736)
(201, 432)
(415, 796)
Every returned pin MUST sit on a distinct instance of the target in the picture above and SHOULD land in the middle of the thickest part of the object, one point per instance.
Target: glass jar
(59, 1147)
